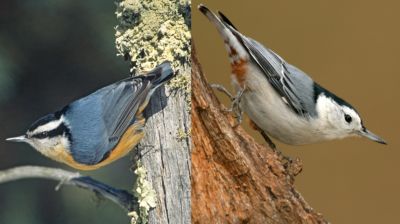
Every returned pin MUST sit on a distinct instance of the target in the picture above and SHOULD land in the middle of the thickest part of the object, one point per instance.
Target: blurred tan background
(352, 49)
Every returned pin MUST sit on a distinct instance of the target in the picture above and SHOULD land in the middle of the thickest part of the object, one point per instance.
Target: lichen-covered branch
(150, 32)
(143, 191)
(120, 197)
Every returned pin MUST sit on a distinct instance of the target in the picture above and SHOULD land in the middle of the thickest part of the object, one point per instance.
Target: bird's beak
(364, 132)
(22, 138)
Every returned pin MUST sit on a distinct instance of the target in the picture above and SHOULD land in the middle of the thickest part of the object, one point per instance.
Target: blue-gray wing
(120, 107)
(275, 69)
(99, 120)
(104, 116)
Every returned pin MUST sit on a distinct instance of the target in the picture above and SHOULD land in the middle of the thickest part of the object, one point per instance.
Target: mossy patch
(153, 31)
(143, 190)
(182, 135)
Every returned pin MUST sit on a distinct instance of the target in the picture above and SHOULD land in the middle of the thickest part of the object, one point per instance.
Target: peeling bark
(235, 179)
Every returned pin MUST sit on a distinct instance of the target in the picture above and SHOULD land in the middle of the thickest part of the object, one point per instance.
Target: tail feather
(166, 74)
(214, 19)
(226, 20)
(163, 73)
(228, 32)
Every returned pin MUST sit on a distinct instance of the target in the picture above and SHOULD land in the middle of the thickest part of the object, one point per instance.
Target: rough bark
(168, 163)
(235, 179)
(150, 32)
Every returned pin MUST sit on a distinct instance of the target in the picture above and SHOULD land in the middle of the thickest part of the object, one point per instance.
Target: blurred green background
(53, 52)
(352, 49)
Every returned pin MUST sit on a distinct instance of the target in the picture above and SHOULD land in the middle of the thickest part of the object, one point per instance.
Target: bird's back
(99, 120)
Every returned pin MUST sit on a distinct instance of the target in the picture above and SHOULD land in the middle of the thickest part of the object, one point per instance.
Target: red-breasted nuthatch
(279, 98)
(100, 128)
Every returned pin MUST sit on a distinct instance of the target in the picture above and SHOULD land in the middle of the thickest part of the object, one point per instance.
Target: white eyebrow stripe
(49, 126)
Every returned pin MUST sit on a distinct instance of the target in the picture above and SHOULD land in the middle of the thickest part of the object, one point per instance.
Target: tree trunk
(151, 32)
(235, 179)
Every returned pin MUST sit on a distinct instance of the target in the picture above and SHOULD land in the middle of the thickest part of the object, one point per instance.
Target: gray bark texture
(149, 33)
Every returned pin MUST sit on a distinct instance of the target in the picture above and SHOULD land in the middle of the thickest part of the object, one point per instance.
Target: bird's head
(46, 134)
(341, 119)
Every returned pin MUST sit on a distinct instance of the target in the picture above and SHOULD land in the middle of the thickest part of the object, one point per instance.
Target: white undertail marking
(229, 39)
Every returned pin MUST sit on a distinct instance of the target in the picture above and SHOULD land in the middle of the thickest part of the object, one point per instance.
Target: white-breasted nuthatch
(279, 98)
(100, 128)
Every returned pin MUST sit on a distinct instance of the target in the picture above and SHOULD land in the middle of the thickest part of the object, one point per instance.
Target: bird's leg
(222, 89)
(273, 147)
(235, 101)
(239, 113)
(267, 139)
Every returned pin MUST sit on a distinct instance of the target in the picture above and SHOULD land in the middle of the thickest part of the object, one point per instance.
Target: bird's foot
(288, 158)
(273, 147)
(222, 89)
(137, 154)
(235, 102)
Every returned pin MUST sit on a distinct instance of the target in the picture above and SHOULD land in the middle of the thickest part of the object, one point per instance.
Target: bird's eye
(42, 135)
(347, 118)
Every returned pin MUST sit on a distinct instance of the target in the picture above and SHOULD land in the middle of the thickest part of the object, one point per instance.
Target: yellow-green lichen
(183, 82)
(135, 217)
(153, 31)
(182, 135)
(143, 190)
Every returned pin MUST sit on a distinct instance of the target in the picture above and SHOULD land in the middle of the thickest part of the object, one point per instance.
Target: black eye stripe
(41, 135)
(60, 130)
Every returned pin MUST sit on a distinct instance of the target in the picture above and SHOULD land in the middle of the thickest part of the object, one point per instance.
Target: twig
(120, 197)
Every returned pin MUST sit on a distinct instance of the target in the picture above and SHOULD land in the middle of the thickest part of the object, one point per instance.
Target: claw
(288, 158)
(222, 89)
(235, 101)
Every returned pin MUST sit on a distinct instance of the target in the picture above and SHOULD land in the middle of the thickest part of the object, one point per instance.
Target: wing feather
(120, 109)
(274, 68)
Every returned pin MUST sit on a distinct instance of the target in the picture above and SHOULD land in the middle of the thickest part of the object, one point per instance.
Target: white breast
(268, 110)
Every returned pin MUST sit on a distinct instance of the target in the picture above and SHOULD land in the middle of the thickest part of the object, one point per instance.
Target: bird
(100, 128)
(280, 99)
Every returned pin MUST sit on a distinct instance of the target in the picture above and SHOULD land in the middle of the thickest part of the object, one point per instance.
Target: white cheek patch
(47, 145)
(356, 120)
(43, 145)
(332, 117)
